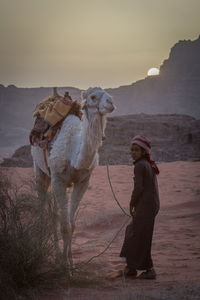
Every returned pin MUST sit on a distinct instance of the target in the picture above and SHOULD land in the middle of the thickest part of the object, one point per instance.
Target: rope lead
(115, 236)
(108, 174)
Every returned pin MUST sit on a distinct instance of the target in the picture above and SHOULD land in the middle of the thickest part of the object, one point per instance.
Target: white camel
(73, 156)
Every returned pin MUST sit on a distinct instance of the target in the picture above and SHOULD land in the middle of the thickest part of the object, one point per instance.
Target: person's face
(136, 152)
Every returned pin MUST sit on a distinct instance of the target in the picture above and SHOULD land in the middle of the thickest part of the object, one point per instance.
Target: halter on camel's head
(98, 101)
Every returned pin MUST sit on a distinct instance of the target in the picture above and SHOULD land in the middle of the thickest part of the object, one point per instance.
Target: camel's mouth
(108, 106)
(111, 107)
(107, 109)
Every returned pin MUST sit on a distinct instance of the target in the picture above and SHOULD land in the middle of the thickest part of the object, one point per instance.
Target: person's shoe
(123, 273)
(149, 274)
(129, 272)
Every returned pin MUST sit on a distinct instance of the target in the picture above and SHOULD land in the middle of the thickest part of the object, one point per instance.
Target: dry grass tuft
(27, 256)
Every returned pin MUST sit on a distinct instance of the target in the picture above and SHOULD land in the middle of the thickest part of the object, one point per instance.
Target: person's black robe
(138, 236)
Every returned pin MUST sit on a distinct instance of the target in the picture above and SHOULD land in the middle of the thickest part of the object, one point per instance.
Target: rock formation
(174, 137)
(175, 90)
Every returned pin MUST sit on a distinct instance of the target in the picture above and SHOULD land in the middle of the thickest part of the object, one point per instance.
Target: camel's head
(98, 100)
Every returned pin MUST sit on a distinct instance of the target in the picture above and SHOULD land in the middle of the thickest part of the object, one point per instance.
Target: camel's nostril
(113, 108)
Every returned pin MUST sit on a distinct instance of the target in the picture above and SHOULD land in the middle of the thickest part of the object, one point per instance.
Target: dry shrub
(26, 242)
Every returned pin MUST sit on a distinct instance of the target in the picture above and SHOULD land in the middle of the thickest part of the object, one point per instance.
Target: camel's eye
(93, 97)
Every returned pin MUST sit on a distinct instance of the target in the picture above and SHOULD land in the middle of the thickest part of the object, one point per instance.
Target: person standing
(144, 206)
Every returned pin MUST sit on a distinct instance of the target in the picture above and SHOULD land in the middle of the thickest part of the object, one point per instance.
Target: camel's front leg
(77, 194)
(42, 184)
(59, 191)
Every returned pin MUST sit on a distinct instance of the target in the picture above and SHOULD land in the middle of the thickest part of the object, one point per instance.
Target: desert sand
(176, 242)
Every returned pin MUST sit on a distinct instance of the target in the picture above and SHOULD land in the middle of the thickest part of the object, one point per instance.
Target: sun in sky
(97, 43)
(153, 72)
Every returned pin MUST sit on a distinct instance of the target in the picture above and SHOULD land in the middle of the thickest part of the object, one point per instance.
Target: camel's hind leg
(42, 184)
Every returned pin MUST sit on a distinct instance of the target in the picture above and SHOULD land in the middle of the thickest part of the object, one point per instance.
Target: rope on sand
(117, 233)
(105, 249)
(108, 174)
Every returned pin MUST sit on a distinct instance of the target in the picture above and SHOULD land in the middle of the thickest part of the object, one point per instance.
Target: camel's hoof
(69, 271)
(58, 260)
(70, 274)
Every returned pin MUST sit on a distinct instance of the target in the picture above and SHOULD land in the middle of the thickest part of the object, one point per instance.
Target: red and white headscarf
(145, 143)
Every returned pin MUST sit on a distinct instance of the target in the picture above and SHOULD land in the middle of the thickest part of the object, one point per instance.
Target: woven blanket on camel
(50, 114)
(53, 109)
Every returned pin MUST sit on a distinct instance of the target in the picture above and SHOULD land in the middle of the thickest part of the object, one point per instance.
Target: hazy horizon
(90, 43)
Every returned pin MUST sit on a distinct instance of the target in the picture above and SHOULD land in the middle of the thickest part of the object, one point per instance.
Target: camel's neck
(92, 132)
(94, 126)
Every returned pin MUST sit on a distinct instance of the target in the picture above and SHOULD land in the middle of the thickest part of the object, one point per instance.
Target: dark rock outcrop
(173, 137)
(183, 61)
(21, 158)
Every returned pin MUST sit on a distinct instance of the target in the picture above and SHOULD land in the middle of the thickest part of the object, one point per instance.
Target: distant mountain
(175, 91)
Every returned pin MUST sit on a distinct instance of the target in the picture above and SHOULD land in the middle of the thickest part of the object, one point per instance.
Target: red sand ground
(176, 243)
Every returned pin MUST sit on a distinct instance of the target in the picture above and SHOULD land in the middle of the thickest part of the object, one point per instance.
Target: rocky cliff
(183, 62)
(175, 90)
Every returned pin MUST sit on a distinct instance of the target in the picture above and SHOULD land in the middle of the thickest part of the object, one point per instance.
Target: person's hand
(132, 210)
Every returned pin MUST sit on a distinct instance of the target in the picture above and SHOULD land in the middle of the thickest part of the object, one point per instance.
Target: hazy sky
(84, 43)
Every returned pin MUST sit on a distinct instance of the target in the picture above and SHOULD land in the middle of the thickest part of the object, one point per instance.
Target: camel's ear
(84, 94)
(83, 104)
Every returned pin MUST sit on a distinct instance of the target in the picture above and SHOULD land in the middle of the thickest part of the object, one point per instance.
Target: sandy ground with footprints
(176, 241)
